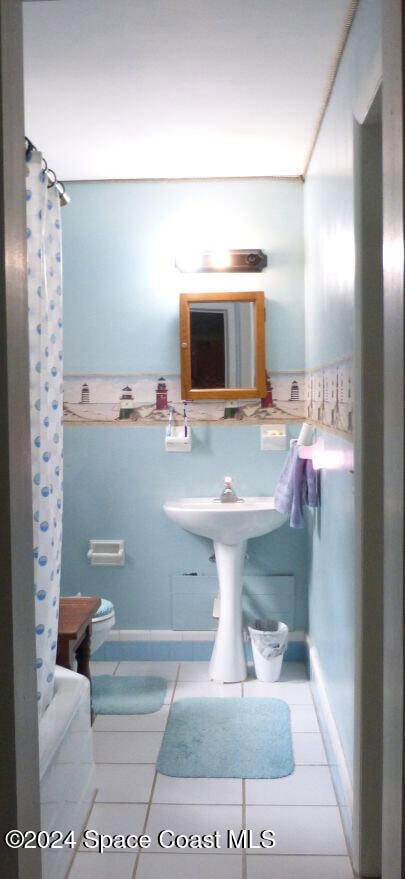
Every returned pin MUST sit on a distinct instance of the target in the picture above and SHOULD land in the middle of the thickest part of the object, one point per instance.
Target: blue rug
(227, 738)
(126, 694)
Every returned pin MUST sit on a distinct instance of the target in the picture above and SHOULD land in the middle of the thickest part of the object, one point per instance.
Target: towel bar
(327, 459)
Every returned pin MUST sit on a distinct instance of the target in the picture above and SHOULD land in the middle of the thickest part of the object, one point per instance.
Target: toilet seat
(102, 622)
(104, 611)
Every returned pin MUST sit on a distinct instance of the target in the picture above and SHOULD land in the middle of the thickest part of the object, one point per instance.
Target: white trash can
(268, 649)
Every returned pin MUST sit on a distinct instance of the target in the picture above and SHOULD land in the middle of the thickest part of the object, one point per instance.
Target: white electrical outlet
(273, 437)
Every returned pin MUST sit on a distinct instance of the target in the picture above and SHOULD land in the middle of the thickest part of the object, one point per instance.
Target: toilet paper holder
(106, 552)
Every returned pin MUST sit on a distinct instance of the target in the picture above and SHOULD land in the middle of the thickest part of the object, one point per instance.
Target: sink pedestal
(230, 526)
(228, 663)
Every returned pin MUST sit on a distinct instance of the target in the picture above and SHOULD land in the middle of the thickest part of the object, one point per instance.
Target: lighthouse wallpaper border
(324, 395)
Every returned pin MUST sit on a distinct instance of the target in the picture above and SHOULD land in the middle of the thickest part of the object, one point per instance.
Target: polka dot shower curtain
(46, 374)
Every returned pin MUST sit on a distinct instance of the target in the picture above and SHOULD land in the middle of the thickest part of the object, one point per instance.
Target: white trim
(369, 89)
(333, 746)
(331, 82)
(327, 364)
(178, 635)
(368, 481)
(208, 635)
(157, 635)
(293, 178)
(67, 715)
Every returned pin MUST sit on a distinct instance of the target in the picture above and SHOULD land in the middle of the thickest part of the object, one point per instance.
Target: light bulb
(220, 259)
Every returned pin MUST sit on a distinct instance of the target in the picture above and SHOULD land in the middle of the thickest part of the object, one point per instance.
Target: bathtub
(67, 768)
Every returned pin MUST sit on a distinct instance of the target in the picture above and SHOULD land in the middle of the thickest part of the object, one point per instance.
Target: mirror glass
(222, 345)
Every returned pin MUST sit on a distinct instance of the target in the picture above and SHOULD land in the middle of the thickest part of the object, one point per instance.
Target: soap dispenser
(228, 494)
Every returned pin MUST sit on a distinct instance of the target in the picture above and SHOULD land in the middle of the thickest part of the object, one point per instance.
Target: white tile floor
(301, 809)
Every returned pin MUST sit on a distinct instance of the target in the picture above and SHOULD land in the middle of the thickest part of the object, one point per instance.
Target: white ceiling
(177, 88)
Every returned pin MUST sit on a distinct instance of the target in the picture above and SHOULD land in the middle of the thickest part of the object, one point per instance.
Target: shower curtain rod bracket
(52, 178)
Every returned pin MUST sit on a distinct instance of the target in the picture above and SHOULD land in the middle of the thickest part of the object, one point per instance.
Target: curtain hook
(51, 174)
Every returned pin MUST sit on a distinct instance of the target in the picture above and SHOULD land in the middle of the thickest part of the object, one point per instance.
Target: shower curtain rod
(64, 197)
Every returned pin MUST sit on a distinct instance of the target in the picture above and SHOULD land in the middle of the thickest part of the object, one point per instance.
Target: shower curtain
(46, 376)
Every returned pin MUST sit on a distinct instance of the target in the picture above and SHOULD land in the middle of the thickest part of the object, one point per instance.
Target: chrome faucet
(228, 494)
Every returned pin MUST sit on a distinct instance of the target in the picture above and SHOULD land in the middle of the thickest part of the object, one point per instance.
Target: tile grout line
(176, 681)
(148, 808)
(244, 795)
(244, 859)
(152, 790)
(135, 763)
(244, 856)
(261, 805)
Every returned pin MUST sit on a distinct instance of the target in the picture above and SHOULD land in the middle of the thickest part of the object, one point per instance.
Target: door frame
(19, 765)
(19, 789)
(393, 831)
(368, 477)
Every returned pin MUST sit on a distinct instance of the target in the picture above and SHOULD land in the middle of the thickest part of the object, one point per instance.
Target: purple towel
(298, 485)
(311, 478)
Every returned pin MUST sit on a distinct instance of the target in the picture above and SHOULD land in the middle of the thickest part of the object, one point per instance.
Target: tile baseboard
(333, 746)
(159, 644)
(179, 635)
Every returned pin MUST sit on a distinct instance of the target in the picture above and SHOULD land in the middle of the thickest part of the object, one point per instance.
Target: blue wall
(121, 287)
(121, 315)
(121, 305)
(329, 330)
(332, 591)
(329, 198)
(116, 481)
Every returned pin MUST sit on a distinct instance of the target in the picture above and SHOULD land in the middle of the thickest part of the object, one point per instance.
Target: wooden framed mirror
(222, 346)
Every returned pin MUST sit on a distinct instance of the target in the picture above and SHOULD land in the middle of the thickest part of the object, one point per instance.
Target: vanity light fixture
(222, 260)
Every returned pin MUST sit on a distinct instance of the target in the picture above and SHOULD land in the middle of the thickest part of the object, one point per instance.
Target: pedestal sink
(229, 526)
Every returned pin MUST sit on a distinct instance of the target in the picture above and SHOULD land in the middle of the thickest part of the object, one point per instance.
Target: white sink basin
(225, 523)
(229, 526)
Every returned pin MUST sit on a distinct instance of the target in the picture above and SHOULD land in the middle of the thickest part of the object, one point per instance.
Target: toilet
(102, 622)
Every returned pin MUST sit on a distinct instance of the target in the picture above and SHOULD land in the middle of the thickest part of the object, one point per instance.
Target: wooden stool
(74, 634)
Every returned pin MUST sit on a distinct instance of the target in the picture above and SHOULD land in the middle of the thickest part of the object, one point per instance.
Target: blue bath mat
(227, 738)
(126, 694)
